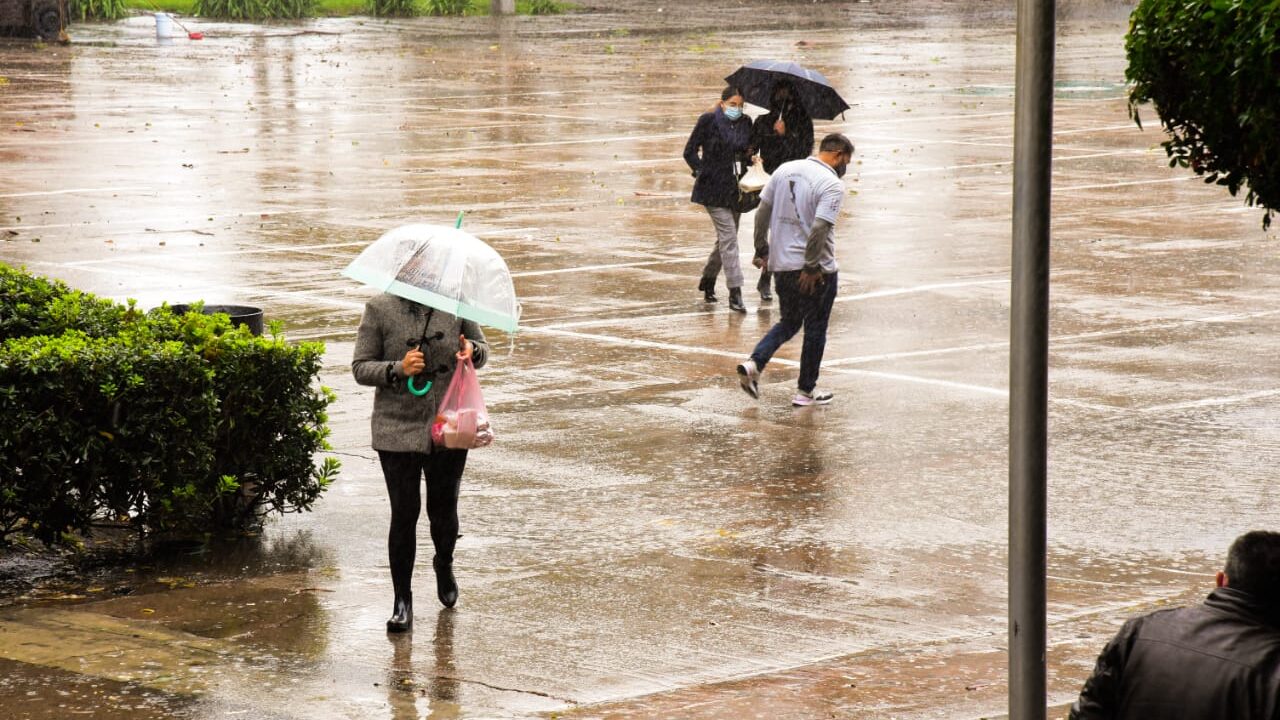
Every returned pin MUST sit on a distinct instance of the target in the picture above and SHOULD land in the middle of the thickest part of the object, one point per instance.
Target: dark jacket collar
(1242, 604)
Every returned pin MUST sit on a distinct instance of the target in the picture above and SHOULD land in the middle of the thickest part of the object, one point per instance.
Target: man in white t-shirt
(795, 237)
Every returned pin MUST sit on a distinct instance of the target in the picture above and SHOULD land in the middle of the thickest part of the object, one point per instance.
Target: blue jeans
(799, 310)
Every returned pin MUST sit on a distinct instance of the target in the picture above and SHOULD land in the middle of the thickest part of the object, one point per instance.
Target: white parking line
(1075, 131)
(835, 366)
(968, 387)
(875, 294)
(1099, 186)
(702, 350)
(168, 258)
(613, 266)
(1055, 341)
(78, 191)
(1000, 163)
(1211, 402)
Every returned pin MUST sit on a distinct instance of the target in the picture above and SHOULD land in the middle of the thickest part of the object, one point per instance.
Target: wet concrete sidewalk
(644, 540)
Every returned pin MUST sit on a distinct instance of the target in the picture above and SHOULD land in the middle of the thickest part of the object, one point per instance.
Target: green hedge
(272, 419)
(98, 9)
(392, 8)
(31, 305)
(256, 9)
(173, 423)
(92, 427)
(1212, 69)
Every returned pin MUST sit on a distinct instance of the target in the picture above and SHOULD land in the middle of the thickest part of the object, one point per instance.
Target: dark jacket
(796, 144)
(401, 421)
(715, 145)
(1219, 660)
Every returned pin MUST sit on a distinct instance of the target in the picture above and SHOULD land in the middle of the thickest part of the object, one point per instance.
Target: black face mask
(840, 169)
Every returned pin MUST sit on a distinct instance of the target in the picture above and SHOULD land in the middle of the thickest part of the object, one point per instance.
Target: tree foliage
(1212, 70)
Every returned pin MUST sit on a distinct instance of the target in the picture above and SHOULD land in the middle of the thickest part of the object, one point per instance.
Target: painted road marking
(833, 365)
(78, 191)
(875, 294)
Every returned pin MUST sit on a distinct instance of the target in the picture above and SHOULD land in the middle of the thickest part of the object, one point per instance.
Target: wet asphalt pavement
(644, 540)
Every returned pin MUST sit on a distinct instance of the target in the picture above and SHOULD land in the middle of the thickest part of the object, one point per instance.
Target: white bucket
(164, 25)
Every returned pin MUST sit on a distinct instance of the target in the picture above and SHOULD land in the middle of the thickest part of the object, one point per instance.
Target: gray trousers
(725, 253)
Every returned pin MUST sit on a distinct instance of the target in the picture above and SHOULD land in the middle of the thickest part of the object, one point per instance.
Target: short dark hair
(1253, 565)
(836, 143)
(729, 91)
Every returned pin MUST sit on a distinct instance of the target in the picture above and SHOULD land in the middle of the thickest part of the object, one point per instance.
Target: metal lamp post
(1029, 358)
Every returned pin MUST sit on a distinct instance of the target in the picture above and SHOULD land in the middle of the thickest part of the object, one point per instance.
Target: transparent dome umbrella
(444, 268)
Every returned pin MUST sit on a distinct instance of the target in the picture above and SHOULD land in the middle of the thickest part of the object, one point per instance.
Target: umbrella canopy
(758, 78)
(444, 268)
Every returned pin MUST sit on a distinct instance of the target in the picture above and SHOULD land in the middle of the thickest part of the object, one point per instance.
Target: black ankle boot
(735, 300)
(708, 288)
(766, 294)
(401, 615)
(446, 586)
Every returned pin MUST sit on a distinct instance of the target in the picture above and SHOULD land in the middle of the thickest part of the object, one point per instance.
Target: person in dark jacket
(718, 152)
(783, 134)
(399, 339)
(1219, 660)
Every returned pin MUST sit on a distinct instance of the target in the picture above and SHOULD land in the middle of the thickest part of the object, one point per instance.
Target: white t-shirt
(800, 191)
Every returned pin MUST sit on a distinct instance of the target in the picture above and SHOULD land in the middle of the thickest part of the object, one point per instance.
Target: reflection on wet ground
(644, 540)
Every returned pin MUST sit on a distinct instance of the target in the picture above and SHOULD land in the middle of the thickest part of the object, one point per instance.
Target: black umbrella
(757, 80)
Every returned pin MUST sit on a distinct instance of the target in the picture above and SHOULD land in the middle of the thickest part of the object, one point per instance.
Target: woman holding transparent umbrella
(438, 284)
(400, 347)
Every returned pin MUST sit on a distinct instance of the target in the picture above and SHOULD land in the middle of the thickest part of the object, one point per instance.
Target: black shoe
(735, 300)
(446, 586)
(708, 288)
(765, 285)
(401, 615)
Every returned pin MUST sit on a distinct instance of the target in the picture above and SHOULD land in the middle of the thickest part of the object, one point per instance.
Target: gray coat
(402, 421)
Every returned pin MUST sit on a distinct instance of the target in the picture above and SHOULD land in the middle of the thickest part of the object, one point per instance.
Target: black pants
(404, 472)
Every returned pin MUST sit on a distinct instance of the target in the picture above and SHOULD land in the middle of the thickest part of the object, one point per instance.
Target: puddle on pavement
(36, 692)
(115, 566)
(155, 638)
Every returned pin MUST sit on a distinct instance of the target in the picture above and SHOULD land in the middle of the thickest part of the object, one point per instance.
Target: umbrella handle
(415, 390)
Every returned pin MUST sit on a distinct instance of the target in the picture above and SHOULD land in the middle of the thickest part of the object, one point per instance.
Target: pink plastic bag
(462, 423)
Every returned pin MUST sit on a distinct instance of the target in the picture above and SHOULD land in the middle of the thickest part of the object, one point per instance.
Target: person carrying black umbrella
(783, 134)
(795, 96)
(718, 153)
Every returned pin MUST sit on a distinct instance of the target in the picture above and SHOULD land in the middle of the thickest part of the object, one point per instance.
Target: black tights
(403, 472)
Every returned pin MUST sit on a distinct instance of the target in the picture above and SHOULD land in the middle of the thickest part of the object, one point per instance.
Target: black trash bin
(247, 315)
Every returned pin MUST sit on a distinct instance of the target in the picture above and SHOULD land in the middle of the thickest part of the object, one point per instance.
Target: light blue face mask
(733, 113)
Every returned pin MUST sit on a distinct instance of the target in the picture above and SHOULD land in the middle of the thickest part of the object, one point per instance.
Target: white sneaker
(749, 378)
(817, 397)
